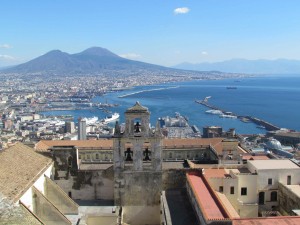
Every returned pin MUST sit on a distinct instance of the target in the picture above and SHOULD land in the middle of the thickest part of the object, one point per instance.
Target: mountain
(93, 60)
(278, 66)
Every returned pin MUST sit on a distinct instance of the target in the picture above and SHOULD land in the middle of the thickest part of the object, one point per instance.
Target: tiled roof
(193, 142)
(44, 145)
(283, 220)
(20, 166)
(255, 157)
(207, 203)
(216, 173)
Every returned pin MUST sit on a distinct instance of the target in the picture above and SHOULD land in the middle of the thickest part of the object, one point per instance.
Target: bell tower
(138, 167)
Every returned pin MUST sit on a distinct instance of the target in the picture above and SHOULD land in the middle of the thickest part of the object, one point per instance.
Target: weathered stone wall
(89, 185)
(287, 200)
(174, 178)
(138, 188)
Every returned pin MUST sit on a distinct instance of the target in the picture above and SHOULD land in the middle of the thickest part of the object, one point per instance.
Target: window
(289, 180)
(87, 157)
(232, 190)
(270, 181)
(97, 156)
(170, 155)
(243, 191)
(221, 189)
(273, 196)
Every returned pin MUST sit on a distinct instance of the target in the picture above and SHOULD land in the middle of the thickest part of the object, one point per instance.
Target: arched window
(273, 196)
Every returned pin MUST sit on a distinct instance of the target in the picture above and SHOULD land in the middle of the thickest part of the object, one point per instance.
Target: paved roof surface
(20, 166)
(284, 220)
(295, 189)
(215, 173)
(272, 164)
(207, 204)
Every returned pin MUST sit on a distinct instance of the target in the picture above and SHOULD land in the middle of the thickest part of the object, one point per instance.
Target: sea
(275, 99)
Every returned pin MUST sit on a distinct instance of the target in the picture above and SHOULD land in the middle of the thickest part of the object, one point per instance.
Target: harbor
(262, 124)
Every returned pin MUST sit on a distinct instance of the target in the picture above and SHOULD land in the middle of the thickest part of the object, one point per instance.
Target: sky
(163, 32)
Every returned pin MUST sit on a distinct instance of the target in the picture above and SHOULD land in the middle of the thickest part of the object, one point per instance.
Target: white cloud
(130, 55)
(5, 46)
(7, 57)
(182, 10)
(204, 53)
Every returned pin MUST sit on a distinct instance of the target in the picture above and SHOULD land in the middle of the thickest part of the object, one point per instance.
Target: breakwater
(266, 125)
(137, 92)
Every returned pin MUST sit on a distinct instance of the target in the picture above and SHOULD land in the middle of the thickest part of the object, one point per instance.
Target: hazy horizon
(163, 33)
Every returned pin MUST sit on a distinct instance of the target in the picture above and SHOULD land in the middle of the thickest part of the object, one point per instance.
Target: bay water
(275, 99)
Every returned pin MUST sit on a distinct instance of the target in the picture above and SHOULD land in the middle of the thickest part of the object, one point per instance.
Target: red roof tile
(208, 206)
(282, 220)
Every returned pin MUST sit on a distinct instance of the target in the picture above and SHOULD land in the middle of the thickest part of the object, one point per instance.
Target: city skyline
(163, 33)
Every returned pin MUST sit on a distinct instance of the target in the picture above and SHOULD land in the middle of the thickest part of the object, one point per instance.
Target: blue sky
(164, 32)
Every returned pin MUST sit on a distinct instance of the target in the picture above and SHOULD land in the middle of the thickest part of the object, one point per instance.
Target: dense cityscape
(149, 112)
(24, 98)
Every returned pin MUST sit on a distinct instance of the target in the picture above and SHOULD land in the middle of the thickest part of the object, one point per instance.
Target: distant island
(261, 66)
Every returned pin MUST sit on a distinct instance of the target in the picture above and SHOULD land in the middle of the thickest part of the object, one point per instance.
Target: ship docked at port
(111, 118)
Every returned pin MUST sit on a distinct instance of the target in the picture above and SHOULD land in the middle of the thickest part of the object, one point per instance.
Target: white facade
(26, 198)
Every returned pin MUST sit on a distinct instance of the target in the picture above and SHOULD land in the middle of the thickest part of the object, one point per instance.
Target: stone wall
(174, 178)
(88, 185)
(287, 200)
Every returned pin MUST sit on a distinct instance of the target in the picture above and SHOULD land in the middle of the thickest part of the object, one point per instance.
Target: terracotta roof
(193, 142)
(282, 220)
(208, 173)
(20, 166)
(44, 145)
(255, 157)
(208, 205)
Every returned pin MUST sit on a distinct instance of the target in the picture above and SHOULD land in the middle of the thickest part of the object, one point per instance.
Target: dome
(273, 144)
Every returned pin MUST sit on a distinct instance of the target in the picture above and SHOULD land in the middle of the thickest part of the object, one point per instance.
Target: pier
(268, 126)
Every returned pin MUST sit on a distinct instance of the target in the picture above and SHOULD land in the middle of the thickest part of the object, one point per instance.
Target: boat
(214, 111)
(228, 116)
(261, 127)
(92, 120)
(111, 118)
